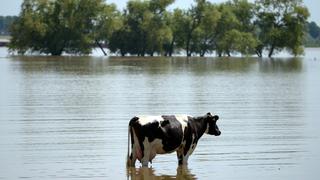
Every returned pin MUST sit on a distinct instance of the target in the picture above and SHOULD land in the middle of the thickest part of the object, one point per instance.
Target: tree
(227, 23)
(144, 27)
(106, 23)
(205, 33)
(193, 20)
(236, 41)
(158, 31)
(54, 27)
(120, 40)
(281, 25)
(178, 21)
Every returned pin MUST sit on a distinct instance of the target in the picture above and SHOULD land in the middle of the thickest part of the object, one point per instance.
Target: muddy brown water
(67, 117)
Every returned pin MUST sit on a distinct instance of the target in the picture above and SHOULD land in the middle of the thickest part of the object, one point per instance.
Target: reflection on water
(155, 65)
(183, 173)
(281, 65)
(67, 117)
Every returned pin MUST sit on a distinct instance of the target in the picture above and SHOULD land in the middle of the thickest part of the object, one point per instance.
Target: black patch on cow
(150, 130)
(133, 120)
(169, 131)
(195, 129)
(164, 122)
(187, 136)
(172, 133)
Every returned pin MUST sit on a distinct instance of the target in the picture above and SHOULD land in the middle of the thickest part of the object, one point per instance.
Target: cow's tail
(131, 157)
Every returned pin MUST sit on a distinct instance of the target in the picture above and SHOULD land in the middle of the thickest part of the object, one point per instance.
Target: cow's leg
(132, 158)
(180, 156)
(187, 154)
(183, 154)
(146, 153)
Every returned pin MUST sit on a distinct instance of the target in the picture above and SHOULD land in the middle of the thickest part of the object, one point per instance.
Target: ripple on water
(67, 118)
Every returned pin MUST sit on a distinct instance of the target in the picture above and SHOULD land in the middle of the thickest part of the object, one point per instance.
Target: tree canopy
(54, 27)
(147, 27)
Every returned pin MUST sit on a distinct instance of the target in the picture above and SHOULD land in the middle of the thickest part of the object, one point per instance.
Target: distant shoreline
(4, 41)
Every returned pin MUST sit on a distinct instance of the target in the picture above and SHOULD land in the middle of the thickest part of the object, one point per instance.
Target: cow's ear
(209, 114)
(216, 117)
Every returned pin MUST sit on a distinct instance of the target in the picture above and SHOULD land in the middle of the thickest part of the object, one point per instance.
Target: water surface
(67, 117)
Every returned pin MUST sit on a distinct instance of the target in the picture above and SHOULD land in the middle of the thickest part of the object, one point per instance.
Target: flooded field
(67, 117)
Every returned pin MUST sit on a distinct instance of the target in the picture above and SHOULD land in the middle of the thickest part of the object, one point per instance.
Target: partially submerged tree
(146, 27)
(281, 25)
(54, 27)
(144, 30)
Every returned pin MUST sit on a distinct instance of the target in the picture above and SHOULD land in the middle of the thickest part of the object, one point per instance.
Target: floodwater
(67, 117)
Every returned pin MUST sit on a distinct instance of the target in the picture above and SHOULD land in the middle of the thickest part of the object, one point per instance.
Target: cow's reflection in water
(149, 173)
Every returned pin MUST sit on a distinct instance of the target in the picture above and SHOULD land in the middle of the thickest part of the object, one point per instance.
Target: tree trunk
(188, 50)
(259, 53)
(271, 51)
(122, 53)
(56, 52)
(188, 45)
(100, 46)
(228, 53)
(219, 53)
(171, 46)
(202, 53)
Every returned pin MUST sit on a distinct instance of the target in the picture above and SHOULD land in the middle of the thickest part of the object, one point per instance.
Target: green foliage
(146, 27)
(236, 41)
(54, 27)
(281, 25)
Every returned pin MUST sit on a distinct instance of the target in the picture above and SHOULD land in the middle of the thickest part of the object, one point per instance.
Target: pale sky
(12, 7)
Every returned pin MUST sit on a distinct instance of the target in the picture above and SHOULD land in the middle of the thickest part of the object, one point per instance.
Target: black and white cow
(151, 135)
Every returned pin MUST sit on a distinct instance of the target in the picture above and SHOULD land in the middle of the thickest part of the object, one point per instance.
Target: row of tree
(148, 28)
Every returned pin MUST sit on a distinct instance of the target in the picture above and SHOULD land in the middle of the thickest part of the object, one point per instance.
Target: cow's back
(165, 132)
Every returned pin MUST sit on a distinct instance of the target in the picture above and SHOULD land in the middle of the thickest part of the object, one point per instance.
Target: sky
(12, 7)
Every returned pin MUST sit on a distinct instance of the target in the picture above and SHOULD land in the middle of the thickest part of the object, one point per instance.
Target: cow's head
(212, 127)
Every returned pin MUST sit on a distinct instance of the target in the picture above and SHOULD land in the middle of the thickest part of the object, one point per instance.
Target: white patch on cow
(157, 147)
(143, 120)
(190, 151)
(151, 149)
(146, 152)
(183, 119)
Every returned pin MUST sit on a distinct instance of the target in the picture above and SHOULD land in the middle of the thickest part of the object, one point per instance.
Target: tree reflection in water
(183, 173)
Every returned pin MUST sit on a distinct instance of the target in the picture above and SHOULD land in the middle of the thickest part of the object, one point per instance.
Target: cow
(152, 135)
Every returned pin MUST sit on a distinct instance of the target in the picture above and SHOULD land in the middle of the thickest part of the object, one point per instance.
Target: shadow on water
(183, 173)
